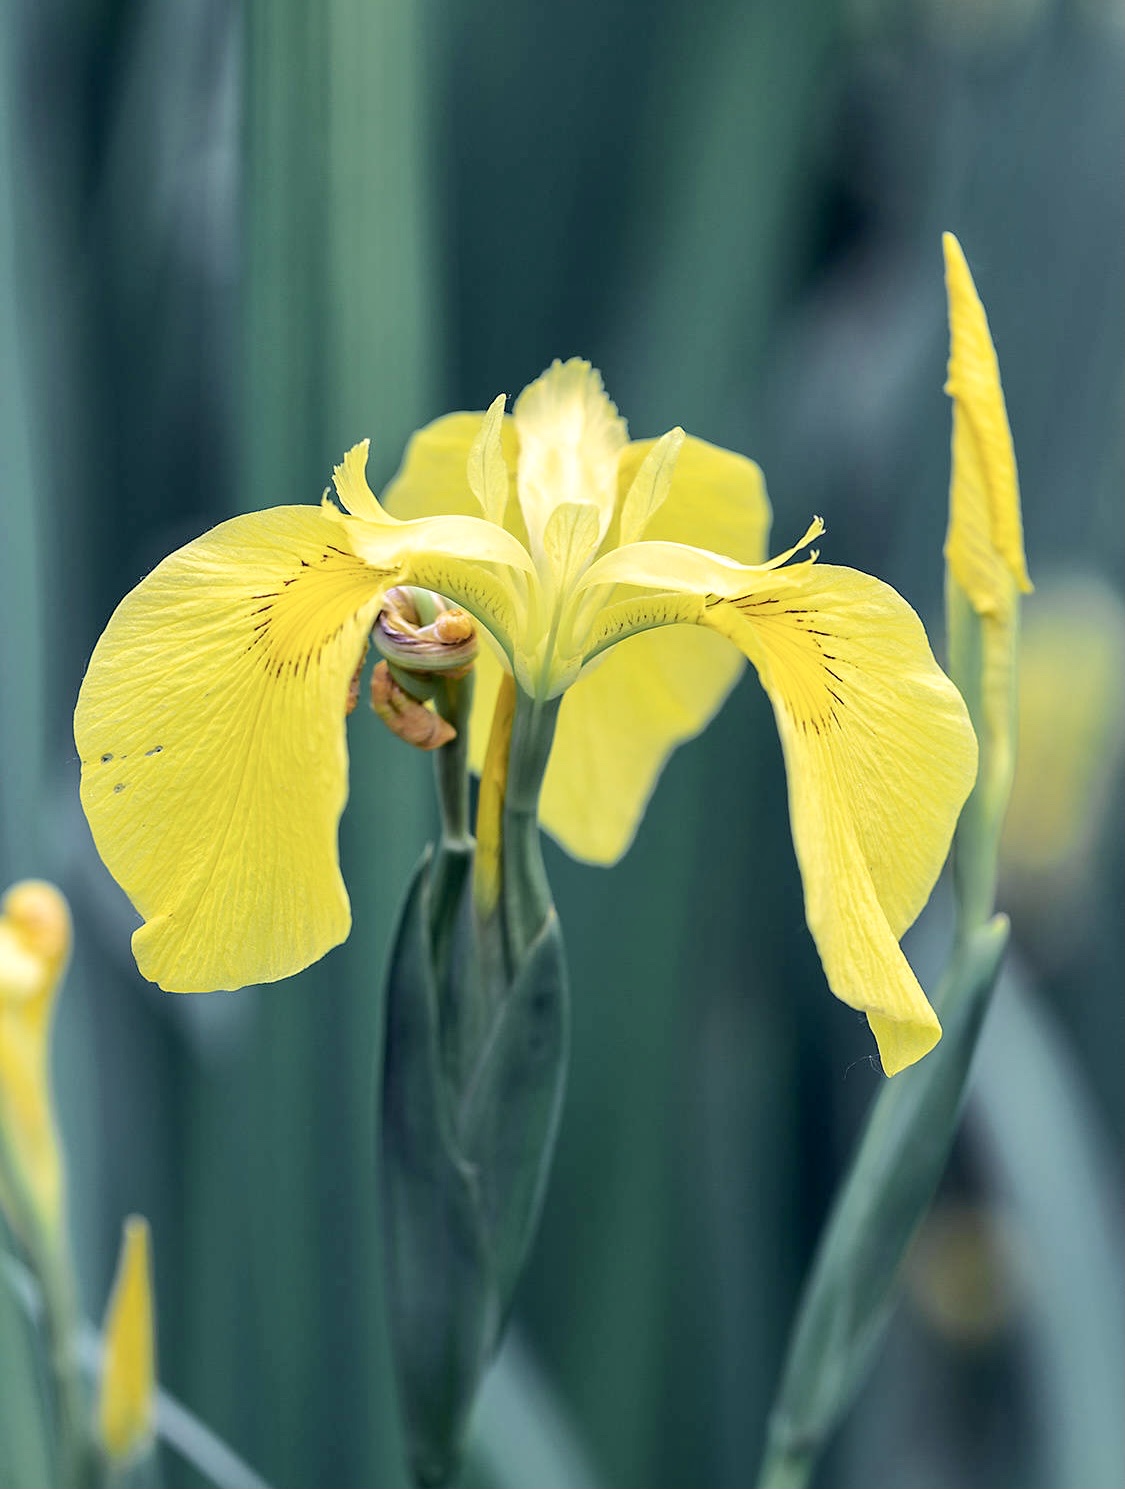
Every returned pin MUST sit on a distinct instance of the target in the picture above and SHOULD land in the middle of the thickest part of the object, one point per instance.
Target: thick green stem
(453, 699)
(900, 1159)
(80, 1464)
(785, 1467)
(526, 892)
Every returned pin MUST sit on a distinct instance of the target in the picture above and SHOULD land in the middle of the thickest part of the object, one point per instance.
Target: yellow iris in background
(211, 721)
(35, 940)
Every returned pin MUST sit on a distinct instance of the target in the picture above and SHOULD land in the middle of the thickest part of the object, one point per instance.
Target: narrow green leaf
(900, 1160)
(24, 1457)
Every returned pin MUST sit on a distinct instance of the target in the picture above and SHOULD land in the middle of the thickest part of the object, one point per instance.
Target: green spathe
(470, 1108)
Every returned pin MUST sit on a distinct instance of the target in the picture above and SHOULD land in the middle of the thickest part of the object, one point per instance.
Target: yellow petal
(984, 545)
(125, 1408)
(210, 727)
(434, 476)
(487, 469)
(650, 486)
(880, 757)
(35, 937)
(570, 538)
(570, 436)
(716, 500)
(473, 561)
(356, 496)
(617, 726)
(679, 567)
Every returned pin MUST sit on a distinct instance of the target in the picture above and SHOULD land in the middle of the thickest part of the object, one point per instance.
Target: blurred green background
(237, 238)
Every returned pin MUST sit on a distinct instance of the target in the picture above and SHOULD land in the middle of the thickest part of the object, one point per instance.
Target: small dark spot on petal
(106, 759)
(119, 788)
(156, 749)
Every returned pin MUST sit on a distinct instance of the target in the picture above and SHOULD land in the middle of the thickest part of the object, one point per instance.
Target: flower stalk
(850, 1290)
(473, 1068)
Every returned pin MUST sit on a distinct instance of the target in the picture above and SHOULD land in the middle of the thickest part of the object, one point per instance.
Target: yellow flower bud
(125, 1409)
(35, 935)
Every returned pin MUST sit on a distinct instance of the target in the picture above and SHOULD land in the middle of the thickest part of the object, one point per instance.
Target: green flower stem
(978, 645)
(849, 1292)
(526, 893)
(80, 1463)
(453, 699)
(175, 1425)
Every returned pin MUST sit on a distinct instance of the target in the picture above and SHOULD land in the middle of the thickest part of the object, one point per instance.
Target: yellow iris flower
(211, 720)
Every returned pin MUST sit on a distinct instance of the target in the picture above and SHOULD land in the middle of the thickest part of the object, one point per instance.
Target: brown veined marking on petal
(293, 624)
(809, 686)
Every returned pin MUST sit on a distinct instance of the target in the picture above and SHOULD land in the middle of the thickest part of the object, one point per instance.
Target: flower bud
(125, 1408)
(422, 632)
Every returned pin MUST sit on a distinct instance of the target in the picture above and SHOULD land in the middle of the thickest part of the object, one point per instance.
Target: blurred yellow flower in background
(1072, 728)
(128, 1387)
(35, 937)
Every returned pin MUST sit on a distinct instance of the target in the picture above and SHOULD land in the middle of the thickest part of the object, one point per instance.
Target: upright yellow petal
(649, 488)
(433, 478)
(35, 937)
(570, 436)
(715, 500)
(128, 1388)
(880, 756)
(210, 726)
(488, 473)
(984, 545)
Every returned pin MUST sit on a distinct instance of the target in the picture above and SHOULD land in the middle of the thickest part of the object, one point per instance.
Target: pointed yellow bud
(35, 939)
(984, 545)
(125, 1410)
(986, 574)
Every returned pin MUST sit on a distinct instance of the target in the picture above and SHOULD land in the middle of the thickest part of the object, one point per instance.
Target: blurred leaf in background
(237, 238)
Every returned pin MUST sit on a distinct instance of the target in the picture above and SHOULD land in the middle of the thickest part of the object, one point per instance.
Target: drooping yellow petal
(128, 1387)
(35, 937)
(715, 500)
(984, 544)
(880, 757)
(617, 726)
(210, 727)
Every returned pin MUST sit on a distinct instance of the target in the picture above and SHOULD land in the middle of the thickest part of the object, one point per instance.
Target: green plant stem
(526, 892)
(786, 1467)
(175, 1425)
(79, 1461)
(850, 1289)
(453, 699)
(80, 1464)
